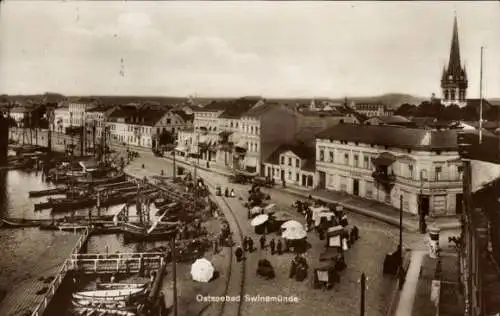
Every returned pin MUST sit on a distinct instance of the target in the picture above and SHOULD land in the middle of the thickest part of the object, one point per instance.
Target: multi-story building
(372, 109)
(480, 239)
(96, 121)
(19, 114)
(292, 165)
(77, 112)
(61, 119)
(383, 163)
(129, 125)
(263, 129)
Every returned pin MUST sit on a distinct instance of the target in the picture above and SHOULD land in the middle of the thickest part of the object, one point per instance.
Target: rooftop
(137, 116)
(393, 136)
(301, 150)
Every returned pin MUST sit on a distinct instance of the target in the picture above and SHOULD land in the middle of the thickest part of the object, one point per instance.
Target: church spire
(454, 66)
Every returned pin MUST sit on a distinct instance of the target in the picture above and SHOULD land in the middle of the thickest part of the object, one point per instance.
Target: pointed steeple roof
(454, 65)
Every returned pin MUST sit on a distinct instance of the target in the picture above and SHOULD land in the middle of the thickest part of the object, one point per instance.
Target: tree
(451, 113)
(430, 109)
(166, 137)
(406, 110)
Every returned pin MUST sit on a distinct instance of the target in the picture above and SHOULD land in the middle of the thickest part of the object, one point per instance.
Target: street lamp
(401, 273)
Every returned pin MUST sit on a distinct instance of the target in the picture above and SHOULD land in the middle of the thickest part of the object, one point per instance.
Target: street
(366, 256)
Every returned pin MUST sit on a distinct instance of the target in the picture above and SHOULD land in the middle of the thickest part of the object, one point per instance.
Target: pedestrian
(232, 193)
(263, 242)
(226, 192)
(216, 246)
(250, 244)
(272, 244)
(245, 243)
(239, 253)
(279, 247)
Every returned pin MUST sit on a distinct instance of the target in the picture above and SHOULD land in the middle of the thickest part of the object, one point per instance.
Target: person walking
(279, 247)
(250, 244)
(263, 242)
(239, 253)
(245, 243)
(272, 245)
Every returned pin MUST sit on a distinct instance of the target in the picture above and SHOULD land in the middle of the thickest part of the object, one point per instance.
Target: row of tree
(453, 112)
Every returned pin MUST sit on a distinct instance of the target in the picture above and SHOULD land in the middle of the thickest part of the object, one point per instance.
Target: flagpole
(481, 99)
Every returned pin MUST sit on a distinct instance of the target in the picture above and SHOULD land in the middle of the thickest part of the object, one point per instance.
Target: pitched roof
(393, 136)
(302, 151)
(186, 117)
(132, 115)
(260, 109)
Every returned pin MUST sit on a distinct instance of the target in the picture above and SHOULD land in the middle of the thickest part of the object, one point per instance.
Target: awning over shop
(242, 144)
(181, 148)
(225, 133)
(384, 159)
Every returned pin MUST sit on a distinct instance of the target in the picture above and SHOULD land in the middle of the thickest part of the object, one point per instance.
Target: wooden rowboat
(116, 286)
(110, 295)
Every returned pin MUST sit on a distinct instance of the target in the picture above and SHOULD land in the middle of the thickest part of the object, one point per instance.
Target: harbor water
(25, 249)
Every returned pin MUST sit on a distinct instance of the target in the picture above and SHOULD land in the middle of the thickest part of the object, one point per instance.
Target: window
(289, 175)
(452, 95)
(251, 129)
(460, 172)
(256, 131)
(346, 158)
(331, 156)
(321, 155)
(289, 161)
(297, 177)
(169, 121)
(410, 171)
(366, 164)
(356, 160)
(438, 173)
(297, 163)
(282, 160)
(368, 189)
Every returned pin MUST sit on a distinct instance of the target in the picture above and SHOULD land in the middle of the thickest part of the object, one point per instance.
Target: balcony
(387, 180)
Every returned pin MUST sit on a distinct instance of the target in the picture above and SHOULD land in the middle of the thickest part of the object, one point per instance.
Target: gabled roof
(302, 151)
(132, 115)
(393, 136)
(261, 109)
(186, 117)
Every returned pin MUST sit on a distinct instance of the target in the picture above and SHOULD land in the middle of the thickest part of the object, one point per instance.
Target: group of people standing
(276, 247)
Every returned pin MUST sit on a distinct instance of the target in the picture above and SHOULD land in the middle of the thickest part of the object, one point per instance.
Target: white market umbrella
(294, 233)
(202, 270)
(259, 220)
(292, 224)
(270, 207)
(256, 210)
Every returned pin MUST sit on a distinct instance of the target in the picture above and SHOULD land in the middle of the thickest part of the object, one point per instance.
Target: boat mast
(481, 99)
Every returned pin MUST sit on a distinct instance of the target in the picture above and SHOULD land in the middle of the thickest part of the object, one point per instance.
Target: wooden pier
(102, 264)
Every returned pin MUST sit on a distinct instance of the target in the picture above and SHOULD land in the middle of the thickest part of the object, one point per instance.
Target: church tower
(454, 78)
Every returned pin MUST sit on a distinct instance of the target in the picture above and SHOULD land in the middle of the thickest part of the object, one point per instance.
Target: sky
(271, 49)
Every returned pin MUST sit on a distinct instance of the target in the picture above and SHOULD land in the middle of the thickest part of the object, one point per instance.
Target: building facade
(480, 240)
(372, 109)
(382, 163)
(292, 165)
(454, 78)
(61, 119)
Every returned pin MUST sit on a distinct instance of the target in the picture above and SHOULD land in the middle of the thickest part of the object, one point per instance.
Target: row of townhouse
(241, 135)
(126, 124)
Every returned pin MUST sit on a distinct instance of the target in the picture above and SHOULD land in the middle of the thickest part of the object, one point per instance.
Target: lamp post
(363, 291)
(401, 273)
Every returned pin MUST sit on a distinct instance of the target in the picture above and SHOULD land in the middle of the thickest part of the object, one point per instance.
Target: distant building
(20, 115)
(382, 163)
(372, 109)
(97, 117)
(61, 119)
(395, 120)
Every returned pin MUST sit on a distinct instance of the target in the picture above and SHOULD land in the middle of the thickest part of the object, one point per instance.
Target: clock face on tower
(450, 77)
